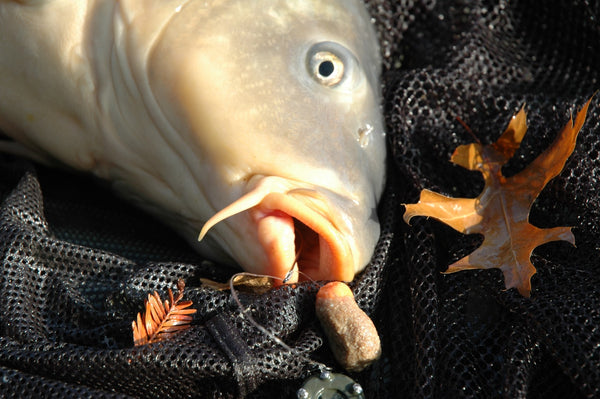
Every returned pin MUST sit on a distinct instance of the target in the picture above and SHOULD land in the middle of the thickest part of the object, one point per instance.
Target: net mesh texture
(76, 262)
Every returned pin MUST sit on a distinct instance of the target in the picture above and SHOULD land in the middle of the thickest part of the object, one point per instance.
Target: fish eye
(330, 63)
(326, 68)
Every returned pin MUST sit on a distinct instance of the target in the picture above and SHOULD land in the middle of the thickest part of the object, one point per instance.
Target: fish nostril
(364, 135)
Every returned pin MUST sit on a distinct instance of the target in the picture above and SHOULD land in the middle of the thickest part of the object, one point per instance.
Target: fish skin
(188, 106)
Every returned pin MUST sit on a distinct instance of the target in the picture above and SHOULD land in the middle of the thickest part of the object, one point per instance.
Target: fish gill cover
(77, 262)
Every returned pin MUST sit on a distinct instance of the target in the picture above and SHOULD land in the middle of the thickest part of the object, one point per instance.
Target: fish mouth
(301, 237)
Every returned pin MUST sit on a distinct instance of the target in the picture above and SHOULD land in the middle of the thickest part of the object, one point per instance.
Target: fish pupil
(326, 68)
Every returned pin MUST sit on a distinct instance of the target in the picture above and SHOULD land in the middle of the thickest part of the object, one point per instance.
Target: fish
(253, 128)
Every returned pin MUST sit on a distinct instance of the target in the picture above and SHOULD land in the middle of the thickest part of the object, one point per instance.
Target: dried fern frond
(162, 319)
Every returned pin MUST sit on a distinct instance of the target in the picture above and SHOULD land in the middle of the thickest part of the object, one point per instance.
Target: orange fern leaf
(162, 319)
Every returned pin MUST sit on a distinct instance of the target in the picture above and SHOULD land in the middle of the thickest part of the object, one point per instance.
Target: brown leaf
(246, 282)
(501, 211)
(161, 319)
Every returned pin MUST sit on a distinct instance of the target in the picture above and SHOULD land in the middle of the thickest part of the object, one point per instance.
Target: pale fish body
(257, 119)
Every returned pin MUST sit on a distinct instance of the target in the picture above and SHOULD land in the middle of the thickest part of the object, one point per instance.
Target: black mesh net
(77, 263)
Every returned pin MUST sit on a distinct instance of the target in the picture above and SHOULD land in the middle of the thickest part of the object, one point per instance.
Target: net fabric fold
(76, 262)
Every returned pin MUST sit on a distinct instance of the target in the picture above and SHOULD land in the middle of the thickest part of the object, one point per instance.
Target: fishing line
(244, 312)
(299, 246)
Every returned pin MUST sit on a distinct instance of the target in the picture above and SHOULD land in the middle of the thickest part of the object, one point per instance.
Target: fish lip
(335, 260)
(304, 203)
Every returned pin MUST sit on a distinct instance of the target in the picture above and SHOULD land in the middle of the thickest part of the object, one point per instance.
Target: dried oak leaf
(162, 319)
(501, 211)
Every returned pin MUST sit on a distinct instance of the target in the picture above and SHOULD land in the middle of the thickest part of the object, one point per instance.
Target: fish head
(278, 105)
